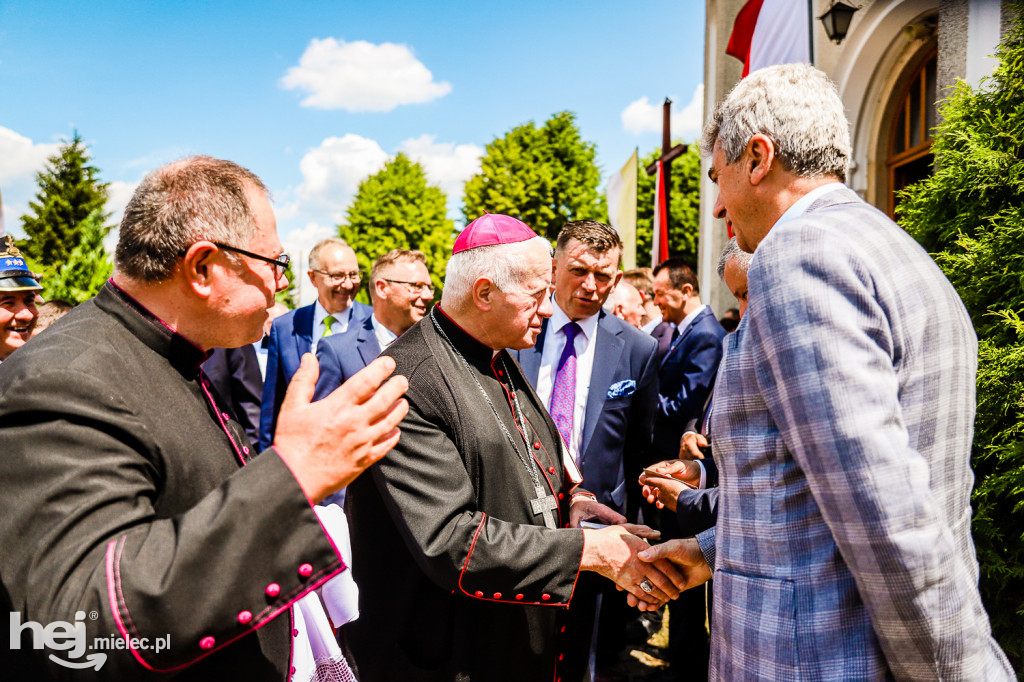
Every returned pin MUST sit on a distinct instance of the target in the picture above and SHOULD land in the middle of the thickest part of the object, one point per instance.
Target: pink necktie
(563, 394)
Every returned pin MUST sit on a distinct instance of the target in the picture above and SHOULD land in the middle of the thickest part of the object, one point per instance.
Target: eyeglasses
(417, 287)
(339, 277)
(280, 264)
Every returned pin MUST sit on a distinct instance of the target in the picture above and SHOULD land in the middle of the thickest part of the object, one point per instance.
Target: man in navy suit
(606, 411)
(401, 292)
(334, 271)
(686, 375)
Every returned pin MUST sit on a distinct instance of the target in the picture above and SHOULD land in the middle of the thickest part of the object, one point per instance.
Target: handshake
(651, 575)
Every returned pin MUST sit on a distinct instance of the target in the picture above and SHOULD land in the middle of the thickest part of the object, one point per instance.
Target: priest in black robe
(466, 539)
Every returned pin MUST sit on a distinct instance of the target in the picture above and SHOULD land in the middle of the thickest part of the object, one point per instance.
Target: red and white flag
(659, 242)
(770, 32)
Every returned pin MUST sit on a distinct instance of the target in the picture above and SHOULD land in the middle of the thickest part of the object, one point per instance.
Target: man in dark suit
(334, 271)
(606, 411)
(234, 374)
(686, 374)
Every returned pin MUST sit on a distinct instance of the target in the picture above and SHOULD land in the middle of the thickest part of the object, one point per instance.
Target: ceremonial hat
(14, 274)
(491, 229)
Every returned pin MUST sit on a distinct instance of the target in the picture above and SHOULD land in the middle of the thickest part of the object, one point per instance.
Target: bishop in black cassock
(461, 542)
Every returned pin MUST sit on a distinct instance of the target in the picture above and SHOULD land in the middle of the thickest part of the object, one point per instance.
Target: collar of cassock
(184, 356)
(476, 352)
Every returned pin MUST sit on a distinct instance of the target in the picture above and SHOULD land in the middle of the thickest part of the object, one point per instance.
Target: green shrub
(969, 216)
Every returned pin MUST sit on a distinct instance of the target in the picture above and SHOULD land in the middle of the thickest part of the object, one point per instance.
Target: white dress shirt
(340, 325)
(553, 346)
(384, 335)
(651, 324)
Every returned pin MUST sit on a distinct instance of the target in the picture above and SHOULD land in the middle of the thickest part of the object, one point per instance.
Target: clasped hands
(683, 555)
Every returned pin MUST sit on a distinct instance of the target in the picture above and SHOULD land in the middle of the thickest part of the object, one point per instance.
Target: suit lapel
(529, 358)
(304, 330)
(366, 342)
(686, 332)
(607, 353)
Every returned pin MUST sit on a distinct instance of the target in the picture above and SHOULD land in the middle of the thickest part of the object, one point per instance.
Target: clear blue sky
(147, 82)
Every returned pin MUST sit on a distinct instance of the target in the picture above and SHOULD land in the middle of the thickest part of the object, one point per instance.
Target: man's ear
(483, 293)
(312, 280)
(197, 267)
(760, 156)
(686, 290)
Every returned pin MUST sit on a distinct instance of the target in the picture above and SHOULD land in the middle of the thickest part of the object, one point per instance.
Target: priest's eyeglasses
(280, 264)
(339, 277)
(417, 287)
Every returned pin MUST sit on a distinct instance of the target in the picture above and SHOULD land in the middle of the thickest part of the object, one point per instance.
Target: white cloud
(118, 195)
(643, 117)
(447, 164)
(361, 76)
(331, 172)
(20, 159)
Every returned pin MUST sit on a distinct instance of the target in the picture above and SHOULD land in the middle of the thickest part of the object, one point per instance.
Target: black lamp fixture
(837, 21)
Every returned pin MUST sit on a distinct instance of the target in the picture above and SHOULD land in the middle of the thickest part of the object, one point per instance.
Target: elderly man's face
(736, 280)
(632, 309)
(517, 316)
(734, 201)
(337, 278)
(405, 291)
(583, 278)
(17, 318)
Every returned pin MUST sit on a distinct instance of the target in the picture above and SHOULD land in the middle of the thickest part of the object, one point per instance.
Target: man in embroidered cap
(467, 536)
(18, 289)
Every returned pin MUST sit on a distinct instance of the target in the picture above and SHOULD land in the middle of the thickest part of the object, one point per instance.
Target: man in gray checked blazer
(843, 420)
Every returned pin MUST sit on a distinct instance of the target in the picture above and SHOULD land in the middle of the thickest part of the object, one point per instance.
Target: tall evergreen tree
(287, 295)
(544, 176)
(87, 267)
(970, 215)
(684, 209)
(396, 208)
(69, 191)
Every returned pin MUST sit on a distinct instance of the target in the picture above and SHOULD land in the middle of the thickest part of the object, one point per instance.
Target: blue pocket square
(621, 389)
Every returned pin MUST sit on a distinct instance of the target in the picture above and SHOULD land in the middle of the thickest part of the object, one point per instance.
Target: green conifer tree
(69, 191)
(83, 273)
(543, 176)
(396, 208)
(970, 215)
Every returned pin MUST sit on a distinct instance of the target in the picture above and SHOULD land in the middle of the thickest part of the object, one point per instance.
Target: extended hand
(684, 554)
(690, 445)
(663, 492)
(613, 551)
(327, 444)
(586, 509)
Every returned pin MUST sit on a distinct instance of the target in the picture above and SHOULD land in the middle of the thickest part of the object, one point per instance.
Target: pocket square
(621, 389)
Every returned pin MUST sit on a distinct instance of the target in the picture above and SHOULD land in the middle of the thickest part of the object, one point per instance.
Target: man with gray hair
(842, 420)
(334, 272)
(130, 494)
(468, 537)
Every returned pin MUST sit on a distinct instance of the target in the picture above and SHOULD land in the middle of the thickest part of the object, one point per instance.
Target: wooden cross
(544, 504)
(668, 153)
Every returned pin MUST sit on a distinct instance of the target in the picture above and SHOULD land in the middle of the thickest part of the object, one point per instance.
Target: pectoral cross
(544, 504)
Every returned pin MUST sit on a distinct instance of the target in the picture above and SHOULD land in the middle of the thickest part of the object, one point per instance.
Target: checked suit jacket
(842, 429)
(617, 423)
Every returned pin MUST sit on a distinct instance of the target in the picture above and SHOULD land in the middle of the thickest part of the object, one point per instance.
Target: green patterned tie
(328, 323)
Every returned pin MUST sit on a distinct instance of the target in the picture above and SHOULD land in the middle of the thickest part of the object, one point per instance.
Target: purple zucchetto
(491, 229)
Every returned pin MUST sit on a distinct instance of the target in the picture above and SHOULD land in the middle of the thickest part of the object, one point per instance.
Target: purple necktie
(563, 394)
